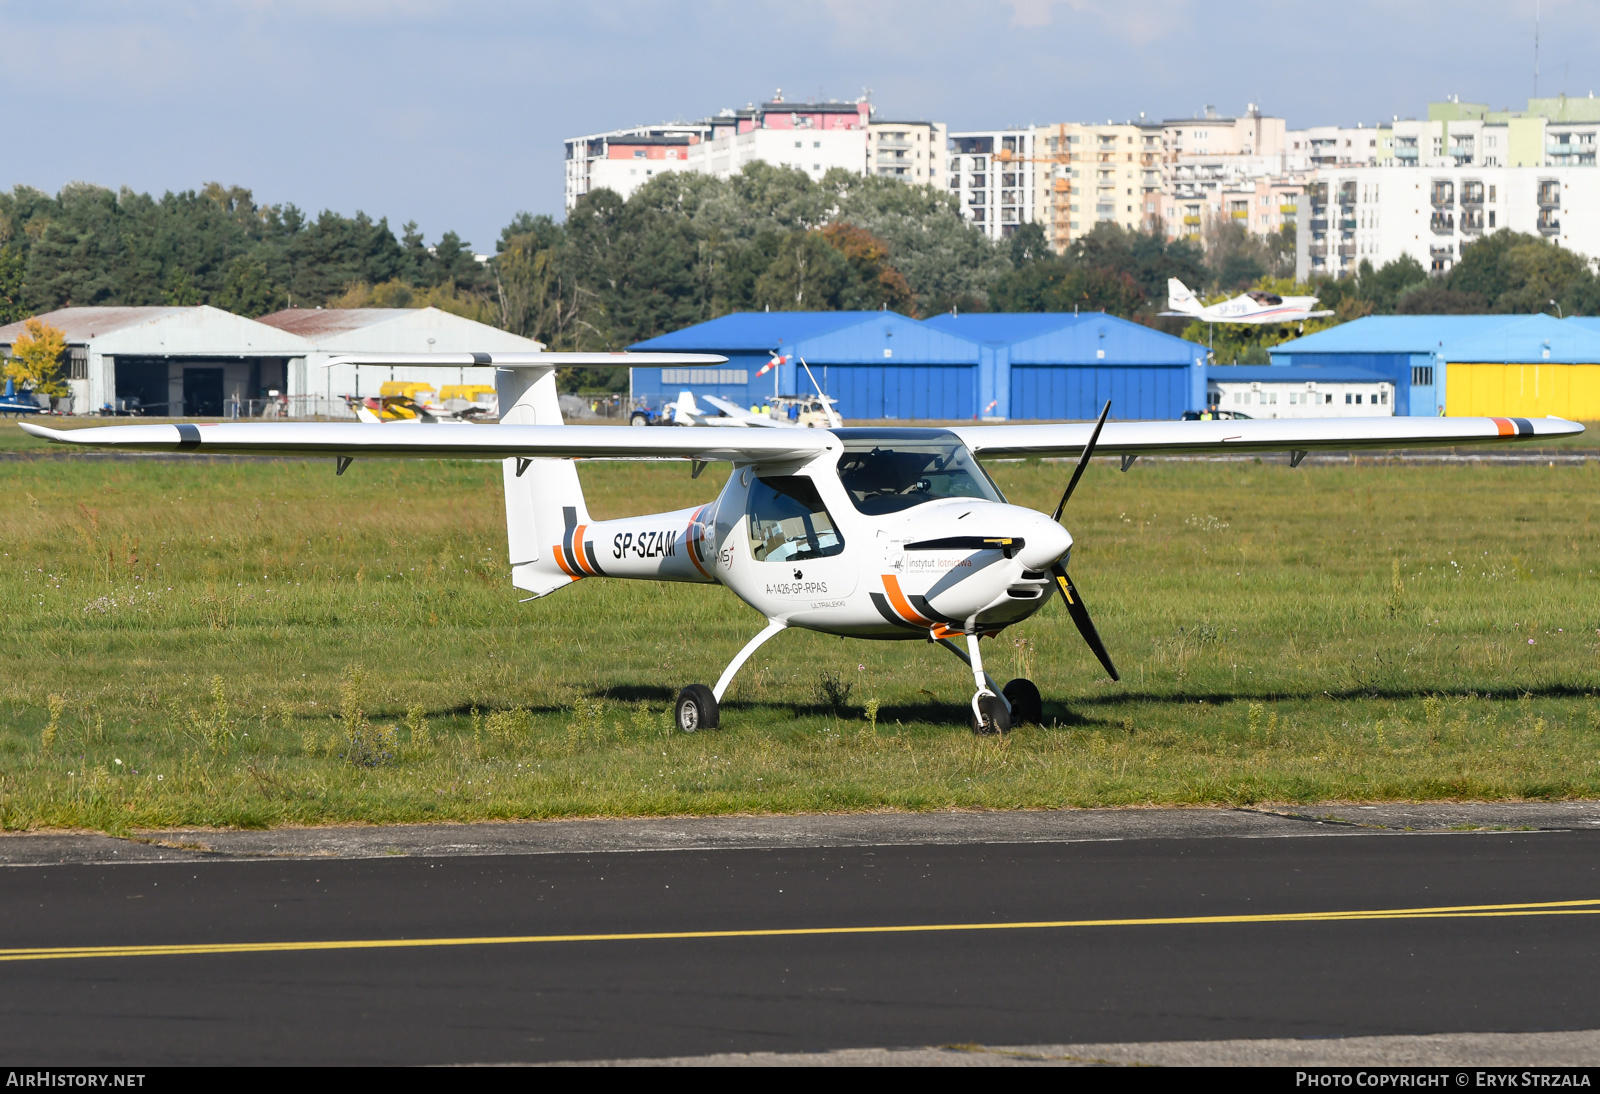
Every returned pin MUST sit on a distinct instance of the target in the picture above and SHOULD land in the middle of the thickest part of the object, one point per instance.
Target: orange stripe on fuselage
(898, 601)
(1506, 426)
(694, 542)
(577, 550)
(561, 561)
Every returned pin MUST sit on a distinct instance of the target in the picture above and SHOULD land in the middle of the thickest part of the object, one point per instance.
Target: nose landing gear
(991, 708)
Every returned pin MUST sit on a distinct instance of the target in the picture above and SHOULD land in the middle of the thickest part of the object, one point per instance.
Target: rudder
(546, 499)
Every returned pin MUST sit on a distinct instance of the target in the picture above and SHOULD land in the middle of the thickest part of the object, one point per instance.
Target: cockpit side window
(788, 522)
(889, 476)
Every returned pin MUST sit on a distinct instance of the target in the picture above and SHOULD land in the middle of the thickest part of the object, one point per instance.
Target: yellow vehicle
(468, 400)
(401, 399)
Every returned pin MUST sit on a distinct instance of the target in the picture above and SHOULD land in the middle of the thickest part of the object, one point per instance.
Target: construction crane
(1060, 184)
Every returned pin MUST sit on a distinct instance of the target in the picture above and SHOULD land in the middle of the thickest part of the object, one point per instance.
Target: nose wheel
(991, 707)
(989, 714)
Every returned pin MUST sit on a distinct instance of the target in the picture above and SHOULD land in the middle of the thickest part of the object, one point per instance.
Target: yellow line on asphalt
(1465, 911)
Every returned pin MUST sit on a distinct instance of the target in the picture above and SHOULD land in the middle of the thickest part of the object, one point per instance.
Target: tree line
(686, 248)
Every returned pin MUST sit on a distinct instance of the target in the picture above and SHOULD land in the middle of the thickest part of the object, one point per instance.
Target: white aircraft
(1252, 307)
(687, 412)
(867, 533)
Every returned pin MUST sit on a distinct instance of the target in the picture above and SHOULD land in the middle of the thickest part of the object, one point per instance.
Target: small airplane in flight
(875, 533)
(1255, 307)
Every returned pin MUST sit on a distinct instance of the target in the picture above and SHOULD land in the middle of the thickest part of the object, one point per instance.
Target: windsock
(772, 364)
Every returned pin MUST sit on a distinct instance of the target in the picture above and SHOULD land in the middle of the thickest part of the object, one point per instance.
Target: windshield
(886, 476)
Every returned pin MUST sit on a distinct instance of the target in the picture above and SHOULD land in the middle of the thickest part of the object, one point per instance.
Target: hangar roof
(1004, 326)
(394, 330)
(310, 322)
(757, 331)
(887, 338)
(166, 331)
(1533, 339)
(82, 324)
(1100, 339)
(1395, 334)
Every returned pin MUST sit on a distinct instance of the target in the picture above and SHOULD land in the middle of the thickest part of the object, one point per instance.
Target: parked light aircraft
(15, 402)
(1254, 307)
(864, 532)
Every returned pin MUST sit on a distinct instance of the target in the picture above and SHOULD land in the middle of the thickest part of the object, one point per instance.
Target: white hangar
(204, 362)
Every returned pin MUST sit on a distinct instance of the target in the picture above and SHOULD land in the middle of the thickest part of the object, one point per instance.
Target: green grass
(1334, 632)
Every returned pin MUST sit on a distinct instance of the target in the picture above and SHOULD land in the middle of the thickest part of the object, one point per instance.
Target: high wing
(1263, 435)
(743, 416)
(424, 441)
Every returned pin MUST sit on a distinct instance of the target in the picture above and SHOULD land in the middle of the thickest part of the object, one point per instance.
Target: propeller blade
(1080, 616)
(1083, 462)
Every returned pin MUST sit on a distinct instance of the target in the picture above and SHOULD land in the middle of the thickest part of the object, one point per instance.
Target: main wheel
(696, 709)
(991, 717)
(638, 417)
(1027, 707)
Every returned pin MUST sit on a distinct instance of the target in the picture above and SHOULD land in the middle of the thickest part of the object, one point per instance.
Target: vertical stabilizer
(540, 500)
(1179, 298)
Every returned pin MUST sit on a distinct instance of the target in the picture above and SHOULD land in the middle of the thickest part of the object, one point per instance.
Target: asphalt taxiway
(1410, 934)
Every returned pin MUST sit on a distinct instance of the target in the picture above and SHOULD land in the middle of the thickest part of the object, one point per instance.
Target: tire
(995, 720)
(696, 709)
(1027, 706)
(638, 418)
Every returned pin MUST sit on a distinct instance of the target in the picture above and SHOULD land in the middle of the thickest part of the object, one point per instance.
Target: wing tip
(43, 432)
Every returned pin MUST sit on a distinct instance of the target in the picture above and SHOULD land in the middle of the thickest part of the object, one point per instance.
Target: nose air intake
(1069, 591)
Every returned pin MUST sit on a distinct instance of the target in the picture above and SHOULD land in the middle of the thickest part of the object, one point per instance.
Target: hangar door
(911, 391)
(1527, 391)
(1152, 393)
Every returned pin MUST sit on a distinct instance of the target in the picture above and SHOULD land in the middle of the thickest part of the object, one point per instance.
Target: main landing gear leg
(698, 706)
(991, 713)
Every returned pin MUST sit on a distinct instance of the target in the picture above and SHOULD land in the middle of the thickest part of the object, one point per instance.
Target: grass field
(211, 642)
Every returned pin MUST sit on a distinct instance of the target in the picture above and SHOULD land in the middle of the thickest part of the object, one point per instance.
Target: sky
(453, 114)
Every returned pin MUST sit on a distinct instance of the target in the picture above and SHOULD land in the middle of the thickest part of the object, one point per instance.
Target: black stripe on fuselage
(921, 604)
(188, 437)
(569, 518)
(588, 553)
(881, 602)
(1524, 427)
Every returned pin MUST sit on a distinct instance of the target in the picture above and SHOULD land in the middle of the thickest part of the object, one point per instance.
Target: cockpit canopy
(886, 471)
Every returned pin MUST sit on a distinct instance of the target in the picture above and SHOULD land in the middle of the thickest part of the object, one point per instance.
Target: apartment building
(1246, 169)
(1430, 213)
(912, 151)
(625, 159)
(992, 175)
(812, 137)
(1336, 146)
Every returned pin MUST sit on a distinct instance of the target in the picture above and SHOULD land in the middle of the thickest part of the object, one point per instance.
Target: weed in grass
(872, 714)
(1397, 589)
(47, 739)
(364, 744)
(833, 691)
(417, 726)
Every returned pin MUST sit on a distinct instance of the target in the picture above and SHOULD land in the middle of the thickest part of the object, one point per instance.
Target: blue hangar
(882, 365)
(1411, 352)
